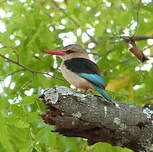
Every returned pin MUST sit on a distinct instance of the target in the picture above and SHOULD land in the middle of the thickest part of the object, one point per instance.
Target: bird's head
(70, 51)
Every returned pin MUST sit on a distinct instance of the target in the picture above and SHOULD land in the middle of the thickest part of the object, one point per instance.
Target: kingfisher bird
(79, 70)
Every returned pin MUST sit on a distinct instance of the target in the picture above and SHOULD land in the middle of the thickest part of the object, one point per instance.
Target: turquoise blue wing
(103, 93)
(93, 78)
(97, 81)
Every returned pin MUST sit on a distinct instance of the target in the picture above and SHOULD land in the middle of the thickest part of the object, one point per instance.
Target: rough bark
(90, 117)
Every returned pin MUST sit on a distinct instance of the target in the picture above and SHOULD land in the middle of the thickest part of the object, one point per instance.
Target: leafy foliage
(33, 26)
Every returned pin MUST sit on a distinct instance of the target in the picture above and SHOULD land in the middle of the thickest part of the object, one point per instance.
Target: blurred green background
(27, 27)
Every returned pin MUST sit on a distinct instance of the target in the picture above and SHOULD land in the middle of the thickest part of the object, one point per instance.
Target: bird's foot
(83, 91)
(77, 90)
(87, 91)
(112, 102)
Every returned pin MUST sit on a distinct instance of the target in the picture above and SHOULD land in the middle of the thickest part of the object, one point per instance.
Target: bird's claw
(111, 102)
(83, 91)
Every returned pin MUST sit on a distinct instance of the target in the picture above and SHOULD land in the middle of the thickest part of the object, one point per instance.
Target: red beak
(55, 52)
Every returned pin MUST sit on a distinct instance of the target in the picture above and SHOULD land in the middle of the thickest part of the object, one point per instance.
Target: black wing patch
(81, 65)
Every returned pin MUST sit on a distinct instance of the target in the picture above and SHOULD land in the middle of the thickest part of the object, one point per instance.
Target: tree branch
(136, 38)
(90, 117)
(27, 68)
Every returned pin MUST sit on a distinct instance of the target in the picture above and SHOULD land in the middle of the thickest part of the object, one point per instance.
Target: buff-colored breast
(76, 80)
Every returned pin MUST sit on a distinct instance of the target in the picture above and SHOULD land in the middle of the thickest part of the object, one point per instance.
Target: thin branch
(14, 72)
(134, 49)
(137, 17)
(136, 38)
(17, 55)
(128, 38)
(27, 68)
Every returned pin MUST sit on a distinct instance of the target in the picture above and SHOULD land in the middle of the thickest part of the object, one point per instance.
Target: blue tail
(103, 93)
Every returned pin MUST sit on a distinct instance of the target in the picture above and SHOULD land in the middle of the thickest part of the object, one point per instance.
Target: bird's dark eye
(69, 51)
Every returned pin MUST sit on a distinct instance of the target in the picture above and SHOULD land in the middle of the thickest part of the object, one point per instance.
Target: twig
(128, 38)
(136, 38)
(137, 17)
(14, 72)
(134, 49)
(27, 68)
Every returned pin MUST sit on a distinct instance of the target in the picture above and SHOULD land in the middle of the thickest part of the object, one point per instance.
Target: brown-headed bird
(79, 70)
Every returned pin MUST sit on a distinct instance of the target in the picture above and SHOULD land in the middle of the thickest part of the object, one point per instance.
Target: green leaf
(72, 5)
(41, 25)
(28, 100)
(4, 135)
